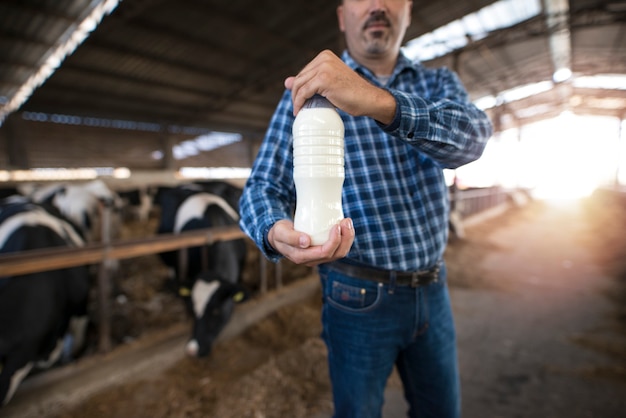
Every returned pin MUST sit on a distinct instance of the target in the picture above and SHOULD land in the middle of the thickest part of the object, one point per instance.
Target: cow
(81, 203)
(37, 309)
(7, 191)
(209, 292)
(137, 202)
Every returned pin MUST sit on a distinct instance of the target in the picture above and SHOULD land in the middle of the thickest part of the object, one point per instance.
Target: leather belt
(402, 278)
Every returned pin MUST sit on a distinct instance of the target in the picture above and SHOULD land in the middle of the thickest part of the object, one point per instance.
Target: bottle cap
(318, 102)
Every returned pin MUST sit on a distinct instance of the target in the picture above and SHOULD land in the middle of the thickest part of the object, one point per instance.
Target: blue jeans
(369, 327)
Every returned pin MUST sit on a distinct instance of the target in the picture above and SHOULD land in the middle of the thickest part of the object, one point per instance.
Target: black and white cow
(138, 202)
(210, 291)
(81, 203)
(38, 309)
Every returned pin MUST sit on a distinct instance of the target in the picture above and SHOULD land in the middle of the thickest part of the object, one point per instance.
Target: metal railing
(472, 201)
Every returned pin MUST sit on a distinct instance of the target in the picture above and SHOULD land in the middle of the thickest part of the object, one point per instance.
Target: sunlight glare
(563, 158)
(569, 156)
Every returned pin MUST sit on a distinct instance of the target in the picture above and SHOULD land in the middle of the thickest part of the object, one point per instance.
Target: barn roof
(216, 65)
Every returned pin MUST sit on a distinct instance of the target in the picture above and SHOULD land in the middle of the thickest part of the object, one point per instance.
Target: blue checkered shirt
(394, 189)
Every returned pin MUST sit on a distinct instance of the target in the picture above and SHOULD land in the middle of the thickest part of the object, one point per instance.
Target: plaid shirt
(394, 189)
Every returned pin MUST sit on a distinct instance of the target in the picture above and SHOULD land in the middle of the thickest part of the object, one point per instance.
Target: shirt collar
(403, 64)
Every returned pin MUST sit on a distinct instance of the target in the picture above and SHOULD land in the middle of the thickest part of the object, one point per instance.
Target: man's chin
(376, 48)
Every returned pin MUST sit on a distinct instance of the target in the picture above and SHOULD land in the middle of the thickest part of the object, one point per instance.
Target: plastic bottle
(318, 168)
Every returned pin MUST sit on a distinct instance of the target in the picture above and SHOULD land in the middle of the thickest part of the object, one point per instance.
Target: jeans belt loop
(392, 282)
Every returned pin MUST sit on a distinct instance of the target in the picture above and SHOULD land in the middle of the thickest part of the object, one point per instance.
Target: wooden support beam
(57, 258)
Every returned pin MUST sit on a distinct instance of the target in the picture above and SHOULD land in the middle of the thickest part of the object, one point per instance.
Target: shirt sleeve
(443, 123)
(269, 193)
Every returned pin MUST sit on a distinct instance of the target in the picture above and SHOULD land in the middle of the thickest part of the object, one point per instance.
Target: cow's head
(211, 300)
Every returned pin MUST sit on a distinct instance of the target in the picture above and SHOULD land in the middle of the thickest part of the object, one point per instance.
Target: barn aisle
(540, 333)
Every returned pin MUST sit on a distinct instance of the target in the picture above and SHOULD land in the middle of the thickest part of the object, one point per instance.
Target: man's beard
(377, 44)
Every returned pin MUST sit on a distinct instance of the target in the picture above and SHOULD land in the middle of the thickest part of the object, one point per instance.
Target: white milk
(318, 168)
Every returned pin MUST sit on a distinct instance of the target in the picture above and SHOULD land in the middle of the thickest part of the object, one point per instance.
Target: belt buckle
(415, 276)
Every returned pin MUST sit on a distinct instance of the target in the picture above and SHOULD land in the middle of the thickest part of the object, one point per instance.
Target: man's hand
(328, 76)
(296, 246)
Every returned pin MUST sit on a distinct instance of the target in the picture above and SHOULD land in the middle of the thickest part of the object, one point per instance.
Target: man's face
(374, 27)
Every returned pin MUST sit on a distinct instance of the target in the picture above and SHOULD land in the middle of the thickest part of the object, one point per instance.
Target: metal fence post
(104, 282)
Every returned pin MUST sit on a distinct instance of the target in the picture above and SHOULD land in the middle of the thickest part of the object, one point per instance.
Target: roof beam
(75, 34)
(557, 19)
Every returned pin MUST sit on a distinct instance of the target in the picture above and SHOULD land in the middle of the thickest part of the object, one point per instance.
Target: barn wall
(61, 145)
(47, 144)
(233, 155)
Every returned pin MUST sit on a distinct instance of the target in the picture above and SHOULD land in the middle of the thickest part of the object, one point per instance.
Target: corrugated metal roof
(472, 27)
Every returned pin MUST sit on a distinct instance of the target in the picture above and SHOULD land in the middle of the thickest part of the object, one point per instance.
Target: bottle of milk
(318, 168)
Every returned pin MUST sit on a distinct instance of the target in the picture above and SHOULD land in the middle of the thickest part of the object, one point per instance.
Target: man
(386, 302)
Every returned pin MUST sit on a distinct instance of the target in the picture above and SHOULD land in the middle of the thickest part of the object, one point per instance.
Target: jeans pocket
(353, 297)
